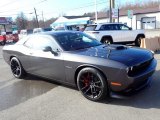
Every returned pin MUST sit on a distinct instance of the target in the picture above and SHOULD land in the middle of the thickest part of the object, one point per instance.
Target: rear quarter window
(90, 28)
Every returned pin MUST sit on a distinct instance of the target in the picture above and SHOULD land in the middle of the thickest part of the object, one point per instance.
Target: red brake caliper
(87, 80)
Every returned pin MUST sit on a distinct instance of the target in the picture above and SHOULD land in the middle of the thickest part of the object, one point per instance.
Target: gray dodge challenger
(78, 60)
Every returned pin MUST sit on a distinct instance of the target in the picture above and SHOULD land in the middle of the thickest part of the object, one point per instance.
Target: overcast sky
(53, 8)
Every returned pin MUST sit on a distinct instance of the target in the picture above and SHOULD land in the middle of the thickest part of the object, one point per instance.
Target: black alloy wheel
(3, 42)
(92, 84)
(17, 68)
(138, 41)
(107, 41)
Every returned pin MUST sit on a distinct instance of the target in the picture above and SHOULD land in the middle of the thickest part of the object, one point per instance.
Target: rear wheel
(107, 40)
(17, 68)
(138, 40)
(92, 84)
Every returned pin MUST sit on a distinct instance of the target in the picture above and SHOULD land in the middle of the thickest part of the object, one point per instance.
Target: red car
(7, 36)
(2, 39)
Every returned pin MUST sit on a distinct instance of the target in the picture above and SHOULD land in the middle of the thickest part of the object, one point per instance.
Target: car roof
(103, 23)
(56, 33)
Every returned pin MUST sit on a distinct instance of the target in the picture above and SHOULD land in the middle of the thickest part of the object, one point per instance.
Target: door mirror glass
(47, 49)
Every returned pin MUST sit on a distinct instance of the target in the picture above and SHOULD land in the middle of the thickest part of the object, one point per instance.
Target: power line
(87, 4)
(15, 14)
(21, 7)
(15, 11)
(79, 7)
(82, 6)
(8, 3)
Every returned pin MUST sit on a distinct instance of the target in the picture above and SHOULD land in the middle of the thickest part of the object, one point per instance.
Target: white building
(148, 18)
(76, 21)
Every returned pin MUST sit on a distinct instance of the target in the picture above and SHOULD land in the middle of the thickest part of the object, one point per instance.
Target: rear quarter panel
(15, 51)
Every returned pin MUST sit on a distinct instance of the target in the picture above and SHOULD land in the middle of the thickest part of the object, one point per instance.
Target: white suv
(115, 33)
(39, 30)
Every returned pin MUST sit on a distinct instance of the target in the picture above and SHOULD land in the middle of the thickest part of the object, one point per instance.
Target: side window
(29, 42)
(39, 42)
(105, 27)
(42, 42)
(123, 27)
(115, 27)
(102, 27)
(108, 27)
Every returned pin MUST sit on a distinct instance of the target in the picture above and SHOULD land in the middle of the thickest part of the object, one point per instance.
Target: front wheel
(92, 84)
(3, 42)
(17, 68)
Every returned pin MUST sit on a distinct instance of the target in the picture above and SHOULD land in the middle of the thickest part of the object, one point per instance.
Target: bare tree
(21, 21)
(49, 22)
(32, 23)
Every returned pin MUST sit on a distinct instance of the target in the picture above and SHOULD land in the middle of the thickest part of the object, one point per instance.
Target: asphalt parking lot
(36, 99)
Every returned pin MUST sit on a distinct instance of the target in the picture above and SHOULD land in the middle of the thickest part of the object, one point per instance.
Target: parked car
(38, 30)
(2, 39)
(8, 36)
(115, 33)
(65, 28)
(76, 59)
(25, 32)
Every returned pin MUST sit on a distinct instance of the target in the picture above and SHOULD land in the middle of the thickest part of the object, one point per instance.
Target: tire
(138, 41)
(92, 84)
(16, 68)
(107, 40)
(3, 42)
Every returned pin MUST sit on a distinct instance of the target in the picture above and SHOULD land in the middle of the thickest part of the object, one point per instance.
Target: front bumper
(135, 83)
(131, 91)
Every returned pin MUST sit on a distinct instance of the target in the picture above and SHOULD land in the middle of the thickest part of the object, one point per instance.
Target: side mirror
(130, 28)
(49, 49)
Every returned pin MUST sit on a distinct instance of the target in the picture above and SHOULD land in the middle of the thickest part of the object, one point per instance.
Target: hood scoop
(121, 47)
(115, 47)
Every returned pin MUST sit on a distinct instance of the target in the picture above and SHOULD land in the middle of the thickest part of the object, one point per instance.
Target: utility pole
(95, 4)
(112, 5)
(118, 16)
(36, 17)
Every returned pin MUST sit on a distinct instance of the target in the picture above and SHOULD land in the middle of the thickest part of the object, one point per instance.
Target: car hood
(127, 55)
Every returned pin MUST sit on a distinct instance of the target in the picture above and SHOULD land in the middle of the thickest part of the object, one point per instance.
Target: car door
(46, 64)
(126, 33)
(111, 30)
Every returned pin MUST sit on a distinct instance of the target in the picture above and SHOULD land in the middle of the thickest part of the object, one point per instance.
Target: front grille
(139, 68)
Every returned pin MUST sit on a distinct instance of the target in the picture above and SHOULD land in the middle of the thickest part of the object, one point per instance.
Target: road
(36, 99)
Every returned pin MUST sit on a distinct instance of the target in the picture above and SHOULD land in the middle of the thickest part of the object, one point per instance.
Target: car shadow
(19, 91)
(144, 99)
(33, 86)
(157, 52)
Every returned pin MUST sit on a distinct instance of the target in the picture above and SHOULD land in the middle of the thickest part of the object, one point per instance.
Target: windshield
(76, 41)
(90, 28)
